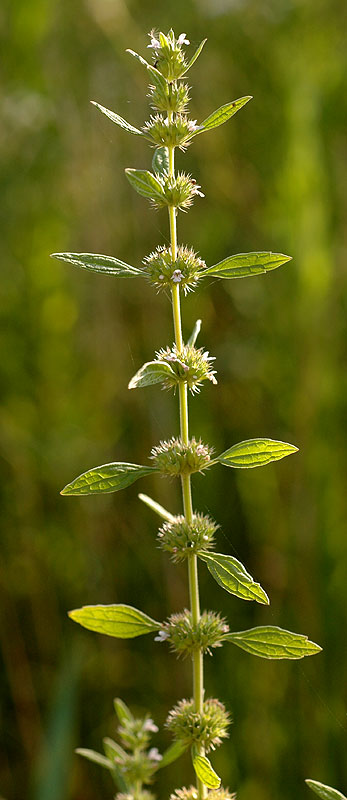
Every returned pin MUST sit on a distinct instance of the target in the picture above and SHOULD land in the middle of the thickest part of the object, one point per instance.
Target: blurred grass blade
(205, 772)
(245, 265)
(145, 183)
(255, 453)
(156, 507)
(232, 576)
(117, 119)
(273, 642)
(323, 791)
(107, 265)
(150, 373)
(222, 114)
(107, 478)
(120, 621)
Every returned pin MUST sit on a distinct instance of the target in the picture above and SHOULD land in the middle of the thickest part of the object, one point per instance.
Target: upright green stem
(198, 667)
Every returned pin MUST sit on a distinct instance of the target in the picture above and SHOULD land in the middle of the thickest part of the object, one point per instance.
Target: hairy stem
(198, 667)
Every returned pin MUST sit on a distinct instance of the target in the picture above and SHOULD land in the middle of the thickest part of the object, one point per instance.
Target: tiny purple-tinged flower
(149, 725)
(182, 39)
(162, 636)
(154, 755)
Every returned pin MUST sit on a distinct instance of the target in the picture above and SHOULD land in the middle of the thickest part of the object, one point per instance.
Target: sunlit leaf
(232, 576)
(195, 56)
(195, 333)
(160, 160)
(145, 183)
(108, 265)
(272, 642)
(205, 772)
(107, 478)
(171, 754)
(222, 114)
(122, 622)
(117, 119)
(255, 453)
(156, 507)
(157, 77)
(323, 791)
(244, 265)
(150, 373)
(97, 758)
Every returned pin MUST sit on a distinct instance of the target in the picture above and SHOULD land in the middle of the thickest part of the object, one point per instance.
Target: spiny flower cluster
(190, 365)
(178, 190)
(192, 794)
(204, 730)
(168, 56)
(163, 271)
(164, 133)
(174, 457)
(135, 733)
(169, 97)
(182, 539)
(185, 637)
(139, 795)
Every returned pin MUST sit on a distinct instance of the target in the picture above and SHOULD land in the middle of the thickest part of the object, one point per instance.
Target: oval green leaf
(145, 183)
(150, 373)
(122, 622)
(205, 772)
(232, 576)
(107, 478)
(117, 119)
(222, 114)
(108, 265)
(255, 453)
(273, 642)
(244, 265)
(323, 791)
(160, 161)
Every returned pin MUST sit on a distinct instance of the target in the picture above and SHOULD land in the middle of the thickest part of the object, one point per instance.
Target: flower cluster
(168, 55)
(182, 539)
(178, 190)
(163, 271)
(174, 457)
(184, 637)
(203, 730)
(135, 733)
(169, 97)
(175, 133)
(191, 365)
(192, 794)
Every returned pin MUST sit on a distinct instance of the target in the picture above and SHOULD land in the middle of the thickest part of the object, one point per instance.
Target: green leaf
(232, 576)
(272, 642)
(117, 119)
(107, 478)
(222, 114)
(195, 333)
(205, 772)
(150, 373)
(160, 160)
(145, 183)
(108, 265)
(157, 77)
(123, 622)
(323, 791)
(255, 453)
(113, 750)
(97, 758)
(171, 754)
(244, 265)
(156, 507)
(195, 56)
(123, 712)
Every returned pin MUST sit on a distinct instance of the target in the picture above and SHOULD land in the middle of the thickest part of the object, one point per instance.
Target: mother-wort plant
(197, 723)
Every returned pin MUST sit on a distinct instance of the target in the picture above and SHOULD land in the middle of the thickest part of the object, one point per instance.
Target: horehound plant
(198, 723)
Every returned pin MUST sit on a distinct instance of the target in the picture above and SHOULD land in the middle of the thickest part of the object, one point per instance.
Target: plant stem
(198, 667)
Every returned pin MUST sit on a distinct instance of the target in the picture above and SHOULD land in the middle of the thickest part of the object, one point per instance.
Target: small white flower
(155, 44)
(182, 39)
(149, 725)
(162, 636)
(154, 755)
(177, 276)
(192, 125)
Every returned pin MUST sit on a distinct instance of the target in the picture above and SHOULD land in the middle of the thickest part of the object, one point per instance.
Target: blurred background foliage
(275, 179)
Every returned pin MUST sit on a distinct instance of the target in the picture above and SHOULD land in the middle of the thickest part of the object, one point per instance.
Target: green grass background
(275, 179)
